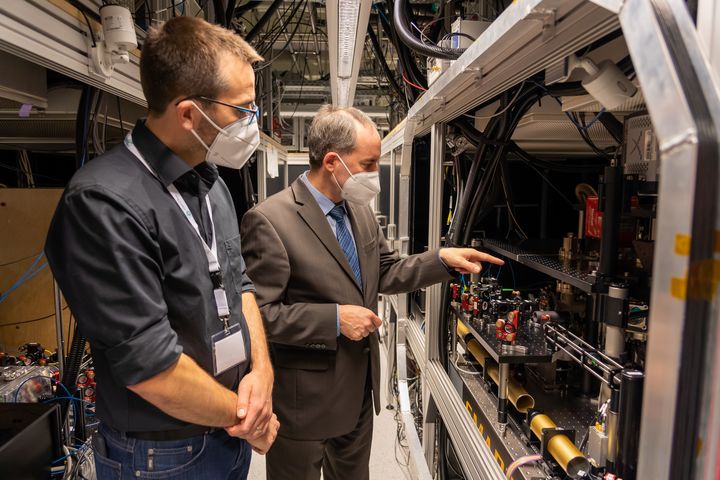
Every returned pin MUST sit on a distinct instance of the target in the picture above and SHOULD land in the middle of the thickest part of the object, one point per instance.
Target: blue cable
(380, 12)
(28, 275)
(69, 395)
(58, 460)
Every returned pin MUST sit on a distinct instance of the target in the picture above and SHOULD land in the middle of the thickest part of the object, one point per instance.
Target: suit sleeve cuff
(451, 271)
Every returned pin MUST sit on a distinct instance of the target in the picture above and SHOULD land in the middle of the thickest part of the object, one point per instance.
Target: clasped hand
(256, 421)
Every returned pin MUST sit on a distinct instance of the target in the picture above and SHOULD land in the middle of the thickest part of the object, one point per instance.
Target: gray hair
(334, 129)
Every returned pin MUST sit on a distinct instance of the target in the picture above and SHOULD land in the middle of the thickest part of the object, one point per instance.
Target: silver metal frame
(677, 133)
(526, 38)
(30, 29)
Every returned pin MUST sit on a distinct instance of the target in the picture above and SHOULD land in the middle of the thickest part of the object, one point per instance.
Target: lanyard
(221, 302)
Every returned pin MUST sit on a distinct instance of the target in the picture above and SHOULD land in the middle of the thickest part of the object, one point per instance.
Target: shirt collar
(166, 165)
(324, 202)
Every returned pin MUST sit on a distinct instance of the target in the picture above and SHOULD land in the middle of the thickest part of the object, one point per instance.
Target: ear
(329, 161)
(185, 112)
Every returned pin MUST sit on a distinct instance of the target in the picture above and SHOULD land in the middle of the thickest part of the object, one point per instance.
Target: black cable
(279, 27)
(82, 125)
(406, 36)
(230, 12)
(263, 20)
(383, 63)
(22, 322)
(405, 56)
(219, 11)
(556, 166)
(297, 26)
(90, 29)
(613, 126)
(122, 127)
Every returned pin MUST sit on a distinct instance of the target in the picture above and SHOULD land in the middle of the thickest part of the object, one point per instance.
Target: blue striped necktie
(346, 241)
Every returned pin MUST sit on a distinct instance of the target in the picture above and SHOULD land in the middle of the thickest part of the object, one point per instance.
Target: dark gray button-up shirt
(135, 274)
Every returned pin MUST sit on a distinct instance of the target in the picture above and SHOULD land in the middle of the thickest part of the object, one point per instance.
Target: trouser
(340, 458)
(213, 456)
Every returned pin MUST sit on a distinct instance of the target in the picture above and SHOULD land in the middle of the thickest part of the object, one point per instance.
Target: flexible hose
(407, 37)
(70, 374)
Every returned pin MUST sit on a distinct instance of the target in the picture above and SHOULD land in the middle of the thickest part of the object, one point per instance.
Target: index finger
(477, 256)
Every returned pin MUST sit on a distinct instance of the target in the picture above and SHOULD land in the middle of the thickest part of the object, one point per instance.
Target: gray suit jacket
(300, 275)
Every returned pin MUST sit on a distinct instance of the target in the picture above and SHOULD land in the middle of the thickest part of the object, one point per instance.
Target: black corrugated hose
(400, 20)
(69, 378)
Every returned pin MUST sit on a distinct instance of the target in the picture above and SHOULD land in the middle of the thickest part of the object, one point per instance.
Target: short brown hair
(334, 129)
(182, 57)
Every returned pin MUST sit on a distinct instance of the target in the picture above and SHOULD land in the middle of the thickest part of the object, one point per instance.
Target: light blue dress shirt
(326, 205)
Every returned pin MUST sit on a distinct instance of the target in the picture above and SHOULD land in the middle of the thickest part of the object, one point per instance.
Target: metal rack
(527, 38)
(549, 264)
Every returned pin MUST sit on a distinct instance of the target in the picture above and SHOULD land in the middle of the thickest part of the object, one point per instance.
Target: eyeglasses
(250, 113)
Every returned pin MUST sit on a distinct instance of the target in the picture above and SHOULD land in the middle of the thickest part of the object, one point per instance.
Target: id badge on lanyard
(228, 345)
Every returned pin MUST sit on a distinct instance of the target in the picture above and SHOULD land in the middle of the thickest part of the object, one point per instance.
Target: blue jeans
(213, 456)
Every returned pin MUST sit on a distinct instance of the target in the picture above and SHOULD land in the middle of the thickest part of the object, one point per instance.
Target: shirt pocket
(236, 264)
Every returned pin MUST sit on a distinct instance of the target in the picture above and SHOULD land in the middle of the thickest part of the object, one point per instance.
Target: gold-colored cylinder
(560, 447)
(518, 396)
(463, 331)
(477, 351)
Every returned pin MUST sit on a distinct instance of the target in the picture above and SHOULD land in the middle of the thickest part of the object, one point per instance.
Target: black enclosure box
(29, 440)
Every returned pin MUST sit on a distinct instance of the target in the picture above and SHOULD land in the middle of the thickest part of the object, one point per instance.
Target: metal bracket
(548, 17)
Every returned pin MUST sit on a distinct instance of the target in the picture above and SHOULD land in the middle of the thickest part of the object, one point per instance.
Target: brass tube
(463, 331)
(560, 447)
(518, 396)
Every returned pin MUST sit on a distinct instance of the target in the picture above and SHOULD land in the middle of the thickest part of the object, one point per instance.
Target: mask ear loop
(221, 130)
(195, 134)
(344, 165)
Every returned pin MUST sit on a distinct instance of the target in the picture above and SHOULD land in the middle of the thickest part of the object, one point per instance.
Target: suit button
(366, 349)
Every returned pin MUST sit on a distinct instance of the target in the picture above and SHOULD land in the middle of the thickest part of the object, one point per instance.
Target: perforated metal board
(574, 273)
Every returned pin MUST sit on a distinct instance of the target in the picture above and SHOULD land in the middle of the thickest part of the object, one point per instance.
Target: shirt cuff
(337, 315)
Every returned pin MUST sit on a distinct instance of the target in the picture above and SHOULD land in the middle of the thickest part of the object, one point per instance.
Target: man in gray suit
(318, 260)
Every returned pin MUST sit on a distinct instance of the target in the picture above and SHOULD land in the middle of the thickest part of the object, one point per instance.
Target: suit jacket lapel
(310, 212)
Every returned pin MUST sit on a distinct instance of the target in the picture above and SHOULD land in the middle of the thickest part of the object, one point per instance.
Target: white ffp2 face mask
(234, 145)
(360, 188)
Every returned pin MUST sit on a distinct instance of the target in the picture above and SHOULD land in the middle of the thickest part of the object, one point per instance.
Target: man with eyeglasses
(146, 248)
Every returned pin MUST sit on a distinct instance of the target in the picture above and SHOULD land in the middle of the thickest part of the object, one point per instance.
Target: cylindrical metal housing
(502, 383)
(518, 396)
(612, 426)
(614, 341)
(562, 449)
(631, 392)
(463, 331)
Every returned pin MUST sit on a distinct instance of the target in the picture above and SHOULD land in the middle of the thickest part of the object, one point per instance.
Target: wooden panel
(28, 313)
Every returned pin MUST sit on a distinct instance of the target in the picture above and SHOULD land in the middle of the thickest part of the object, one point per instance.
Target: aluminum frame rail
(684, 107)
(525, 39)
(53, 34)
